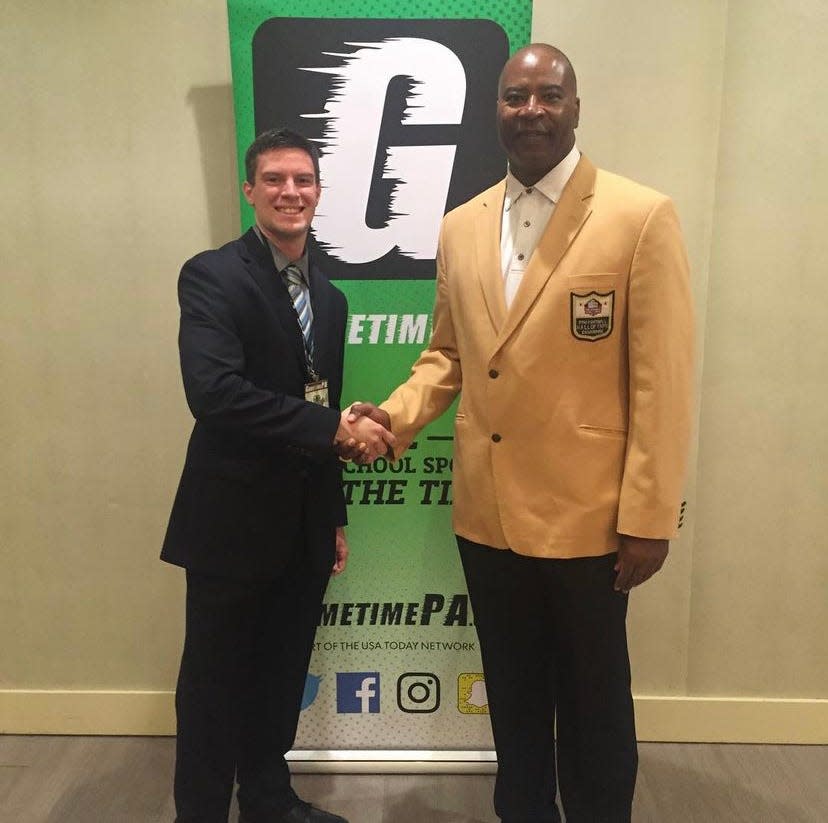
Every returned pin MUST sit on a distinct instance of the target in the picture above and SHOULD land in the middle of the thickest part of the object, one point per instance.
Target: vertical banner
(400, 97)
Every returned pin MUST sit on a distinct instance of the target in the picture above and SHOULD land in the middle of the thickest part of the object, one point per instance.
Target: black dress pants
(554, 646)
(246, 652)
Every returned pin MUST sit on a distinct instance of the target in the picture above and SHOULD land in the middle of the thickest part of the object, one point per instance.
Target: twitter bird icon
(311, 689)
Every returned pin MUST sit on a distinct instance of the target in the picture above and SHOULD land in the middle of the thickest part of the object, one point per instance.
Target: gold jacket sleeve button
(496, 437)
(493, 373)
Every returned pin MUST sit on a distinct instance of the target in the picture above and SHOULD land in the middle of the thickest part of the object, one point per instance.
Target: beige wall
(118, 162)
(760, 565)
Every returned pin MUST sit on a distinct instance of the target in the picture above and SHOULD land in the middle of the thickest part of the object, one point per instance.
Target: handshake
(364, 434)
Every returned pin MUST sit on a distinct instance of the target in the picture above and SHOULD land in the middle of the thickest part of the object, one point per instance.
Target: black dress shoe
(302, 812)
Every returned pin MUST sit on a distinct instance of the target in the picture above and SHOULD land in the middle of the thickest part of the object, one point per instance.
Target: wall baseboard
(731, 720)
(663, 719)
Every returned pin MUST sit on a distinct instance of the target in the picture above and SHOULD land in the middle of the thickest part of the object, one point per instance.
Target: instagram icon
(418, 692)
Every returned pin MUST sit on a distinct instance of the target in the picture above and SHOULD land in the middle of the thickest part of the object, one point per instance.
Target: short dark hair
(278, 139)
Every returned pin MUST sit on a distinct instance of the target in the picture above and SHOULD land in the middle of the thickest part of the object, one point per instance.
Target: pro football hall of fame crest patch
(591, 315)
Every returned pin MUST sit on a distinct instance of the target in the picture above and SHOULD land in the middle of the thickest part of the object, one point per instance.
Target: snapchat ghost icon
(471, 693)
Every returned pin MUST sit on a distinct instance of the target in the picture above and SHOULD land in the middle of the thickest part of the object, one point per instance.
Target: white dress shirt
(526, 211)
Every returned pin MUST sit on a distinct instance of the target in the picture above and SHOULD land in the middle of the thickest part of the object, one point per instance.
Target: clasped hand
(364, 433)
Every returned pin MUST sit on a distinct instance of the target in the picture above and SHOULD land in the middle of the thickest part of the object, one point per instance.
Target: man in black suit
(258, 518)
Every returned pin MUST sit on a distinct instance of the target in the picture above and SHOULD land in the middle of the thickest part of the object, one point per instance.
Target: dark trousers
(246, 652)
(554, 646)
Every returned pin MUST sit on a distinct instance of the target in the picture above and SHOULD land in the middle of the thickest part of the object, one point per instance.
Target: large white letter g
(421, 174)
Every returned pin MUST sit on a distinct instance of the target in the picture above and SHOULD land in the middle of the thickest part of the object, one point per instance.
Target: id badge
(317, 392)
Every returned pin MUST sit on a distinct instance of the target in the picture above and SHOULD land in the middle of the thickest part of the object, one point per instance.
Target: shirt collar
(280, 260)
(551, 185)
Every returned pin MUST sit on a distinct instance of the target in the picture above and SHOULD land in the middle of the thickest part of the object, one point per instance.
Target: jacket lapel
(570, 214)
(260, 265)
(487, 246)
(321, 307)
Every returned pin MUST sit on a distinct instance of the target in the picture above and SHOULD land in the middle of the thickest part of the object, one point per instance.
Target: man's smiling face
(284, 194)
(537, 111)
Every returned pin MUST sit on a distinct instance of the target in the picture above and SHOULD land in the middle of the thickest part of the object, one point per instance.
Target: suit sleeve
(436, 376)
(213, 368)
(660, 339)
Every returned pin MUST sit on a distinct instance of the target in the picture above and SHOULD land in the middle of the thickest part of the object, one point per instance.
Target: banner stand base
(392, 761)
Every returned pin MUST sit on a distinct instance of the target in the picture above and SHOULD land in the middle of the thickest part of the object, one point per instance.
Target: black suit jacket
(260, 481)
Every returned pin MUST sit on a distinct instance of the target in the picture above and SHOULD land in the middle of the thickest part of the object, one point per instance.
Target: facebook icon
(357, 692)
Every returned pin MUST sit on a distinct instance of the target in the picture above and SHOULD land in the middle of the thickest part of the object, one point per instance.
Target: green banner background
(402, 546)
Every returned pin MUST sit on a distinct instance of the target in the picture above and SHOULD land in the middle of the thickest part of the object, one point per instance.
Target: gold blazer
(575, 408)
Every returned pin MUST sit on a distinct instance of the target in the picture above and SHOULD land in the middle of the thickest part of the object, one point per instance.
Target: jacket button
(493, 373)
(496, 437)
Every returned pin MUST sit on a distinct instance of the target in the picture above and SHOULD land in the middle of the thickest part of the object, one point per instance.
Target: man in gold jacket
(563, 319)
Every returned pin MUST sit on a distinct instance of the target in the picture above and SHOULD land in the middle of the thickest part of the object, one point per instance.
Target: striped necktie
(300, 295)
